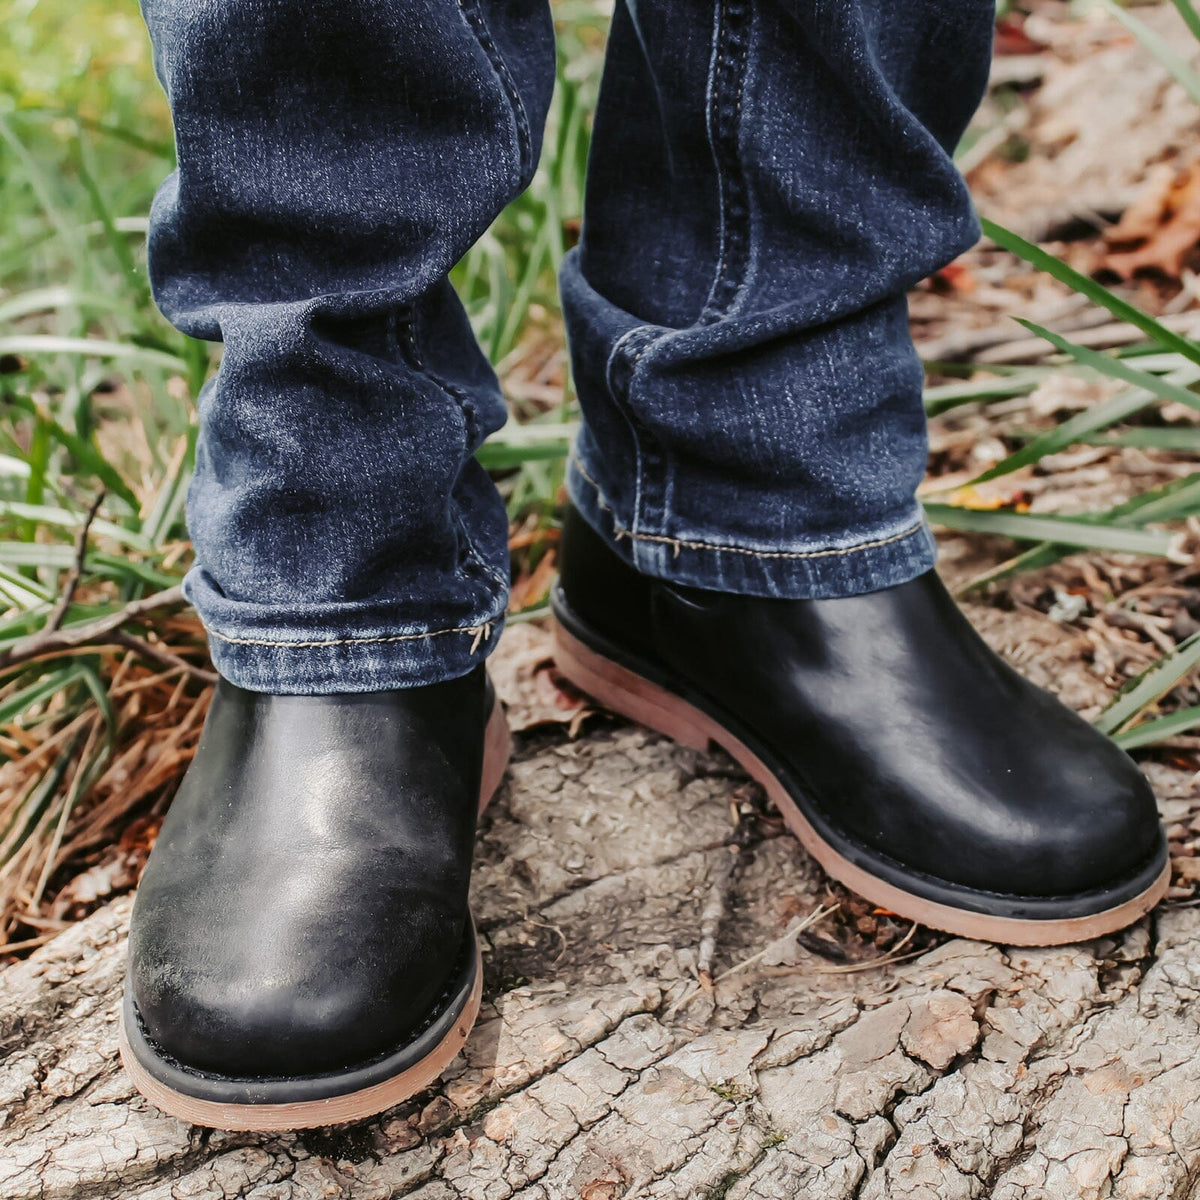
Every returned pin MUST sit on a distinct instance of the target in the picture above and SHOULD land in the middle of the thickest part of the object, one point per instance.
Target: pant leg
(768, 178)
(336, 158)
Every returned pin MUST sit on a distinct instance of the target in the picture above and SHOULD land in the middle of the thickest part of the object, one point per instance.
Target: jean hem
(327, 666)
(339, 665)
(857, 563)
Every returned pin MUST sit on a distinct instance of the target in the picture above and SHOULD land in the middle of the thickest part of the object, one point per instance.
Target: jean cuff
(854, 563)
(292, 659)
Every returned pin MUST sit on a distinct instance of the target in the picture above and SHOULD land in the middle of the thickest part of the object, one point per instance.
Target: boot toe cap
(1105, 837)
(285, 1019)
(1091, 828)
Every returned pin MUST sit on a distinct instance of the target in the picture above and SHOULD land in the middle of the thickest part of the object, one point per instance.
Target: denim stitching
(466, 407)
(406, 337)
(688, 544)
(475, 19)
(723, 101)
(730, 53)
(618, 390)
(644, 336)
(477, 555)
(481, 632)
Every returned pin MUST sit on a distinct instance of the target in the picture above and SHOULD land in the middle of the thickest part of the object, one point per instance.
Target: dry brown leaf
(529, 590)
(1161, 229)
(526, 680)
(1013, 38)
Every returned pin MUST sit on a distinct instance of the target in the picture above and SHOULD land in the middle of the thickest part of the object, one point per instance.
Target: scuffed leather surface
(306, 900)
(898, 721)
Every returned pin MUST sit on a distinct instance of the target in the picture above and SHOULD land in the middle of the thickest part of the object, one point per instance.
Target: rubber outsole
(622, 690)
(267, 1116)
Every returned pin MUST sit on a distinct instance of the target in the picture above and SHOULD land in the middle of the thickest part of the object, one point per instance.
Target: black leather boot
(915, 765)
(301, 951)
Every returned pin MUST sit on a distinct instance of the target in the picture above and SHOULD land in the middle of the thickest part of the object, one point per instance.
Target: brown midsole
(631, 695)
(366, 1102)
(497, 749)
(308, 1114)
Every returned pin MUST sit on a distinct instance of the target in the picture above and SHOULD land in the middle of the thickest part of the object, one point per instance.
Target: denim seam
(403, 321)
(690, 544)
(654, 467)
(481, 632)
(646, 334)
(617, 390)
(460, 397)
(474, 17)
(731, 43)
(466, 406)
(496, 577)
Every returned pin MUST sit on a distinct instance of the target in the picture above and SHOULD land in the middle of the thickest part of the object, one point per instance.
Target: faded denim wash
(768, 178)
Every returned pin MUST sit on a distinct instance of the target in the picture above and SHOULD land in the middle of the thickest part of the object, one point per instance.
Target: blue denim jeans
(767, 179)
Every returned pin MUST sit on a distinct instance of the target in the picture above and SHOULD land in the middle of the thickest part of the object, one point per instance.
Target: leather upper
(896, 721)
(305, 904)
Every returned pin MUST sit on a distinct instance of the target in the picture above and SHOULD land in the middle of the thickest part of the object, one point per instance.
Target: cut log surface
(602, 1066)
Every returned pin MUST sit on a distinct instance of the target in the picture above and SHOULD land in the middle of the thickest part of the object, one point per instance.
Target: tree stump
(651, 1028)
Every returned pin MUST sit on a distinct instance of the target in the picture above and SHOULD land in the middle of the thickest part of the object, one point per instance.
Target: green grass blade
(121, 224)
(63, 518)
(1116, 368)
(1146, 389)
(1037, 257)
(47, 299)
(1099, 416)
(1158, 46)
(1190, 16)
(1033, 559)
(99, 694)
(34, 344)
(172, 496)
(1177, 438)
(1150, 685)
(60, 557)
(54, 556)
(1147, 733)
(36, 803)
(503, 456)
(22, 701)
(88, 458)
(159, 149)
(1066, 531)
(43, 190)
(129, 571)
(13, 468)
(538, 441)
(1171, 502)
(137, 284)
(1177, 499)
(946, 396)
(23, 592)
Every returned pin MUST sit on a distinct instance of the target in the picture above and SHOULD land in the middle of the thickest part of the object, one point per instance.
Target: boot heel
(628, 694)
(497, 749)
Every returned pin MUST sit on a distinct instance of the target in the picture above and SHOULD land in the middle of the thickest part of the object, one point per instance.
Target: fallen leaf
(528, 683)
(1161, 229)
(955, 277)
(1011, 37)
(530, 590)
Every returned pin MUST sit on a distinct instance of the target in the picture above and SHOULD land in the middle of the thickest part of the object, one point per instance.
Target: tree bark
(602, 1067)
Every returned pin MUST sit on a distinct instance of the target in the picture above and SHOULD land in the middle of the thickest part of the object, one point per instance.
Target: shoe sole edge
(308, 1114)
(622, 690)
(363, 1102)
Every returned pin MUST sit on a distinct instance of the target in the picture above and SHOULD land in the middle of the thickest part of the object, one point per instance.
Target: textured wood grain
(601, 1068)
